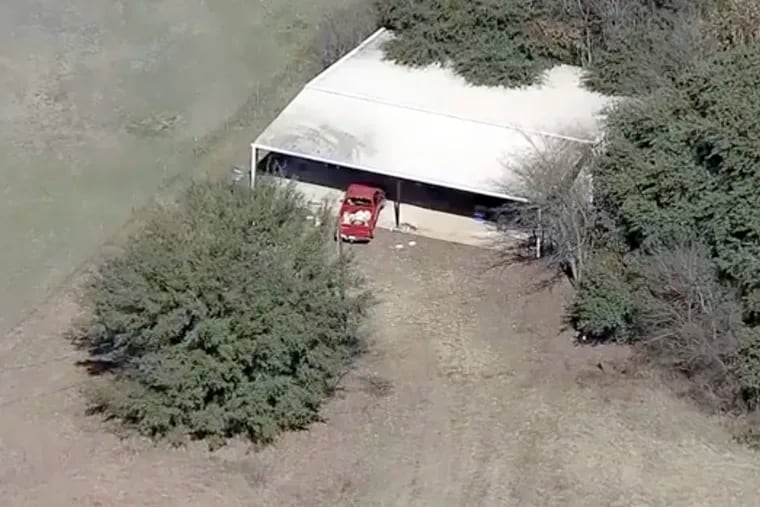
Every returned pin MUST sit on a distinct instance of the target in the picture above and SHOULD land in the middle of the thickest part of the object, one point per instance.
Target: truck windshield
(356, 201)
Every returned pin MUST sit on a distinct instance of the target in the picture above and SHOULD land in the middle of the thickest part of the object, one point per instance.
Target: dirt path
(483, 403)
(468, 397)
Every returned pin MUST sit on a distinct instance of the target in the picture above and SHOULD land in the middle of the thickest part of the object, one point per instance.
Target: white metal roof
(429, 125)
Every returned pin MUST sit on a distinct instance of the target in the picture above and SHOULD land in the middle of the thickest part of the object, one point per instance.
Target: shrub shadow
(97, 361)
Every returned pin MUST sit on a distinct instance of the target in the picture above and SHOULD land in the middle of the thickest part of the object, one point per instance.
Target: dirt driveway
(469, 396)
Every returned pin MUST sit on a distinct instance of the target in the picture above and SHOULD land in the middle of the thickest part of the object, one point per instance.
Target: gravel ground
(470, 395)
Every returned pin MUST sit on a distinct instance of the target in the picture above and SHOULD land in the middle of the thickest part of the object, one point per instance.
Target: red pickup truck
(359, 211)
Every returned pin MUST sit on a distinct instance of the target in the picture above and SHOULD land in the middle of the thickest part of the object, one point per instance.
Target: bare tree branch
(552, 177)
(691, 322)
(345, 30)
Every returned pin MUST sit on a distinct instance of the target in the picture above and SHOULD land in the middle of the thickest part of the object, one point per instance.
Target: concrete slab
(421, 221)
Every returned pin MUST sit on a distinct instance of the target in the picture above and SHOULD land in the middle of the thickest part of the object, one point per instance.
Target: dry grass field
(103, 103)
(470, 395)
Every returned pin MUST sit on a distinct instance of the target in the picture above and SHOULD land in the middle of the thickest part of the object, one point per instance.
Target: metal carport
(427, 124)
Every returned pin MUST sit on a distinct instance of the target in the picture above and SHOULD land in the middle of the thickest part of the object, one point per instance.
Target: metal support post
(397, 204)
(254, 164)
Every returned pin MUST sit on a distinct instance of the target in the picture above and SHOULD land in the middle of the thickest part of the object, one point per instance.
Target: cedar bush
(670, 303)
(629, 47)
(680, 184)
(684, 163)
(605, 307)
(486, 41)
(229, 314)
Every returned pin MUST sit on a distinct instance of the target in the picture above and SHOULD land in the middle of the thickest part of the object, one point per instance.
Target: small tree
(488, 42)
(560, 210)
(346, 29)
(642, 45)
(229, 314)
(690, 322)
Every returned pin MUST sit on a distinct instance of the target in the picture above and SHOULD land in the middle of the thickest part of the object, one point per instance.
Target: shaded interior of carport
(424, 135)
(398, 190)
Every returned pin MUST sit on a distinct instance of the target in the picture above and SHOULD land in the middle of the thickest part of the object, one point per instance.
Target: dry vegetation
(553, 176)
(101, 107)
(469, 395)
